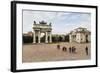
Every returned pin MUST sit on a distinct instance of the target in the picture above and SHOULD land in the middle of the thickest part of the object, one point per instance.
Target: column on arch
(50, 37)
(46, 37)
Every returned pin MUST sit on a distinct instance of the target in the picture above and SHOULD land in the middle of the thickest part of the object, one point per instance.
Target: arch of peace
(42, 27)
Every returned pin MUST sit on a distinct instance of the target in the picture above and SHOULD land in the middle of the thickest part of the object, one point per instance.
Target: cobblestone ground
(49, 52)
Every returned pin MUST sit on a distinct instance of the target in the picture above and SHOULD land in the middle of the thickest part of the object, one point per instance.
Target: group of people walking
(72, 49)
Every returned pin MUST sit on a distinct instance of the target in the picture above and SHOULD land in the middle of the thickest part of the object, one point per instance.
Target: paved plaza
(48, 52)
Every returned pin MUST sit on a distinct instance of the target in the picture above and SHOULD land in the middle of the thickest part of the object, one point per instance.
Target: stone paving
(49, 52)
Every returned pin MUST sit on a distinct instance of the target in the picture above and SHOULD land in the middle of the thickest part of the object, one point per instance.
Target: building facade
(80, 35)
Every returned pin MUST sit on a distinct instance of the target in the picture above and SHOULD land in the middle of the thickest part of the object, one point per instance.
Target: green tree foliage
(43, 39)
(55, 39)
(67, 38)
(27, 39)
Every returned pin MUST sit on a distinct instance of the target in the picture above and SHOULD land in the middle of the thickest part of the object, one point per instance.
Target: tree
(43, 39)
(60, 39)
(27, 39)
(67, 38)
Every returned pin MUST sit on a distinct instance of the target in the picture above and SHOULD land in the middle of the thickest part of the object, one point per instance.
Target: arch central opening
(42, 37)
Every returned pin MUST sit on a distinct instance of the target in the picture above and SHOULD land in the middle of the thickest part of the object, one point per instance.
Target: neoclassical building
(80, 35)
(42, 27)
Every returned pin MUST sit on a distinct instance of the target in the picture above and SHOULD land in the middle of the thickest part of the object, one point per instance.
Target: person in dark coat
(64, 48)
(58, 46)
(70, 50)
(73, 49)
(86, 50)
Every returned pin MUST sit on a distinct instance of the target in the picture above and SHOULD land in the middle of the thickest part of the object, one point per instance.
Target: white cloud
(62, 22)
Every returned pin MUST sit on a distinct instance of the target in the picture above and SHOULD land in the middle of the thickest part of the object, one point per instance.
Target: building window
(83, 30)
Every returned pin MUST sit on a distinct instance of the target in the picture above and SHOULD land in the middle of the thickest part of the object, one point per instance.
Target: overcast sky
(62, 22)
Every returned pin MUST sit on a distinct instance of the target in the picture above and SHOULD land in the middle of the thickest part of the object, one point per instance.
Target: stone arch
(42, 28)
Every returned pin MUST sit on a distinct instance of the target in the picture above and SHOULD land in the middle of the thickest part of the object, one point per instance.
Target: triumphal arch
(42, 27)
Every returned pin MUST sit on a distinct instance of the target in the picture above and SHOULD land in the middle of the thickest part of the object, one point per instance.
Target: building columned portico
(80, 35)
(42, 27)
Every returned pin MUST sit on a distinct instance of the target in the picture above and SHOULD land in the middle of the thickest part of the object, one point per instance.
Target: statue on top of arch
(43, 22)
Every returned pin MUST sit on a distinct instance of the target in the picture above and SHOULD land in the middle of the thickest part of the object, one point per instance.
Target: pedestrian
(73, 49)
(86, 49)
(58, 46)
(70, 50)
(64, 48)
